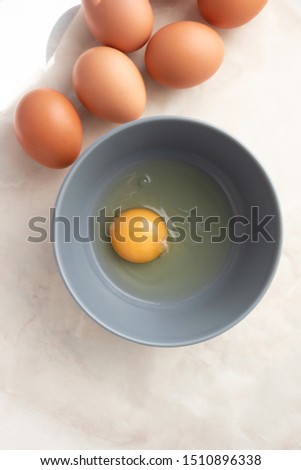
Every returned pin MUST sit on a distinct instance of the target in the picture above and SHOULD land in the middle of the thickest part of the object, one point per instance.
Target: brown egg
(48, 127)
(230, 13)
(109, 84)
(184, 54)
(123, 24)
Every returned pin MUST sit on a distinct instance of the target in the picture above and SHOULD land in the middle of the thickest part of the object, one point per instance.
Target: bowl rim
(110, 134)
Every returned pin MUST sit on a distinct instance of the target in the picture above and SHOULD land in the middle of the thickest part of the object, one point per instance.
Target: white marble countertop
(66, 383)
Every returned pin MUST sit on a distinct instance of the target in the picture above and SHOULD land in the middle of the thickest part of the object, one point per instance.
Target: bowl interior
(245, 275)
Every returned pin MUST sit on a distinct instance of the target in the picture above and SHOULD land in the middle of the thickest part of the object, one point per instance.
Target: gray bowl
(232, 295)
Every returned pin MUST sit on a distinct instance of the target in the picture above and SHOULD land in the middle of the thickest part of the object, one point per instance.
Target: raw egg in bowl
(167, 231)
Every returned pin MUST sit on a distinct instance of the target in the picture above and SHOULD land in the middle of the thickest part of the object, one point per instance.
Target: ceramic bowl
(250, 269)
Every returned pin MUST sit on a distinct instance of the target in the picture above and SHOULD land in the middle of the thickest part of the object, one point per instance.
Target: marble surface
(66, 383)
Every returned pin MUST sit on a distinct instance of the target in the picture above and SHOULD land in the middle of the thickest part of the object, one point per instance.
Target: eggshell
(184, 54)
(228, 14)
(123, 24)
(48, 127)
(109, 84)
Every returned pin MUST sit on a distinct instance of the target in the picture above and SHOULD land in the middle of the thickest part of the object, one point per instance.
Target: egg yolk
(139, 235)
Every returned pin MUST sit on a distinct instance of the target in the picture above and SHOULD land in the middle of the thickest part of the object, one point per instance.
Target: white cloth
(66, 383)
